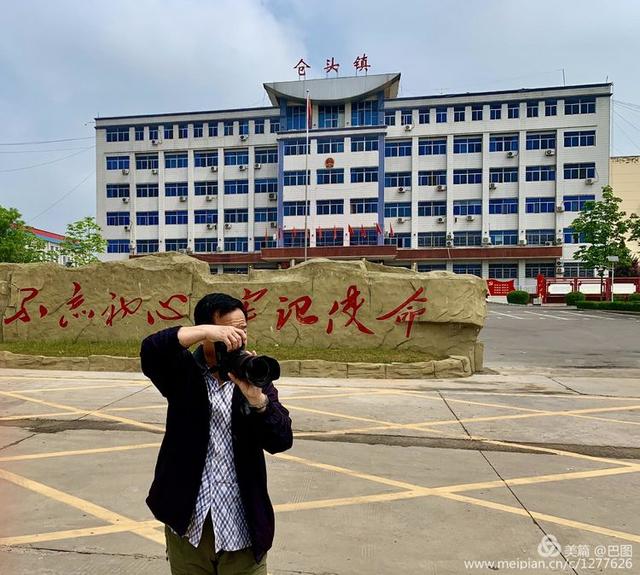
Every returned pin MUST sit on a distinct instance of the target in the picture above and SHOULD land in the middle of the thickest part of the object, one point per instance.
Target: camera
(259, 370)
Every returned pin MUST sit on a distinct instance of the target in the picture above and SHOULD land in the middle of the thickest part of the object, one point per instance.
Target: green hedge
(518, 296)
(634, 297)
(614, 305)
(572, 298)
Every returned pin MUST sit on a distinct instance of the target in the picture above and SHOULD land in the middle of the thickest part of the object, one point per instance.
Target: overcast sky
(63, 63)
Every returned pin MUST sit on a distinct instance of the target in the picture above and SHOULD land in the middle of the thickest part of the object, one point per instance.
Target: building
(484, 183)
(625, 181)
(52, 243)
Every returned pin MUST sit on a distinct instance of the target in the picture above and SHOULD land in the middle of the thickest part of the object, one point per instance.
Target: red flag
(350, 229)
(266, 236)
(279, 232)
(294, 232)
(309, 111)
(363, 234)
(390, 231)
(319, 233)
(378, 228)
(335, 233)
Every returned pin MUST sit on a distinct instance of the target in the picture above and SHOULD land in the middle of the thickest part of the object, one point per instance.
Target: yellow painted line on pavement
(625, 421)
(343, 501)
(36, 415)
(84, 387)
(30, 456)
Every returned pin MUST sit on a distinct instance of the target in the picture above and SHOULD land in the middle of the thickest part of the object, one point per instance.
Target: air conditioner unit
(486, 240)
(273, 224)
(470, 218)
(492, 186)
(441, 220)
(401, 220)
(227, 226)
(211, 226)
(273, 196)
(512, 154)
(257, 166)
(127, 228)
(125, 171)
(208, 198)
(403, 189)
(559, 208)
(588, 181)
(214, 168)
(449, 243)
(441, 188)
(559, 270)
(548, 243)
(125, 200)
(219, 248)
(408, 127)
(155, 142)
(522, 242)
(154, 171)
(243, 137)
(549, 152)
(183, 198)
(559, 241)
(449, 236)
(242, 168)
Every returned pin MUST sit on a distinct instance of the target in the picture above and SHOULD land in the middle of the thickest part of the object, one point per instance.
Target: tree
(83, 240)
(17, 243)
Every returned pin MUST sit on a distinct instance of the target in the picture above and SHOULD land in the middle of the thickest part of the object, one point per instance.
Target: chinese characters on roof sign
(361, 64)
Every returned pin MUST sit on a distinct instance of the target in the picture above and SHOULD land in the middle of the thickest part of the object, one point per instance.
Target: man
(210, 484)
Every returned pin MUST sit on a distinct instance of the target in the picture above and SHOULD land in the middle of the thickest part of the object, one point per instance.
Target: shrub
(634, 297)
(613, 305)
(574, 297)
(518, 296)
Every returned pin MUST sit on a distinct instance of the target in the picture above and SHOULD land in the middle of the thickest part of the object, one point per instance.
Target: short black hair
(216, 303)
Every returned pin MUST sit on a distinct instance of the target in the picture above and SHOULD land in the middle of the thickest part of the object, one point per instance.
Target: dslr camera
(259, 370)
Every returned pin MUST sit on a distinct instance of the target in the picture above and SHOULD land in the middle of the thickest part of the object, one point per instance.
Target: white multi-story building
(485, 183)
(52, 244)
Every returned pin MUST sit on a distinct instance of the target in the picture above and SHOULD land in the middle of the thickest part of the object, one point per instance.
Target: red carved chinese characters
(249, 297)
(300, 306)
(74, 303)
(22, 314)
(166, 305)
(408, 315)
(125, 308)
(349, 306)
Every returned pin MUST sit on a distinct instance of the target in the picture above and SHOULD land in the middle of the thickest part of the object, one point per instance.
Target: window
(236, 157)
(359, 175)
(213, 129)
(364, 205)
(468, 176)
(294, 239)
(295, 147)
(266, 186)
(389, 117)
(577, 203)
(397, 148)
(579, 139)
(147, 246)
(117, 190)
(147, 190)
(551, 107)
(117, 162)
(147, 218)
(432, 267)
(330, 145)
(503, 143)
(547, 269)
(183, 131)
(146, 161)
(205, 216)
(503, 271)
(513, 110)
(458, 114)
(296, 117)
(532, 109)
(397, 210)
(295, 208)
(243, 127)
(441, 114)
(168, 132)
(172, 217)
(368, 238)
(540, 237)
(432, 146)
(503, 175)
(467, 207)
(397, 179)
(504, 237)
(571, 237)
(467, 144)
(432, 178)
(474, 269)
(578, 270)
(236, 187)
(176, 160)
(364, 143)
(432, 209)
(402, 240)
(495, 111)
(580, 105)
(233, 216)
(468, 239)
(331, 116)
(579, 171)
(258, 126)
(331, 237)
(476, 112)
(266, 214)
(503, 206)
(228, 127)
(198, 130)
(333, 176)
(540, 205)
(295, 178)
(329, 207)
(431, 239)
(423, 115)
(205, 245)
(406, 117)
(118, 134)
(364, 113)
(153, 133)
(267, 155)
(176, 189)
(139, 133)
(206, 188)
(262, 243)
(540, 173)
(117, 246)
(205, 159)
(173, 245)
(117, 218)
(274, 125)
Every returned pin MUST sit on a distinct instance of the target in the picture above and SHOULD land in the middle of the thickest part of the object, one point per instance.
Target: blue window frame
(467, 144)
(265, 214)
(267, 155)
(467, 176)
(139, 133)
(579, 139)
(577, 203)
(503, 206)
(503, 271)
(532, 269)
(146, 161)
(236, 216)
(153, 133)
(474, 269)
(175, 244)
(117, 162)
(503, 175)
(147, 218)
(228, 127)
(176, 160)
(258, 126)
(117, 218)
(467, 207)
(370, 237)
(513, 110)
(266, 186)
(117, 190)
(503, 143)
(332, 176)
(205, 245)
(296, 147)
(495, 111)
(236, 157)
(541, 141)
(540, 205)
(432, 178)
(295, 178)
(205, 188)
(168, 132)
(236, 187)
(147, 190)
(579, 171)
(205, 216)
(117, 246)
(173, 217)
(360, 175)
(364, 143)
(402, 240)
(441, 114)
(274, 125)
(428, 208)
(261, 243)
(296, 117)
(580, 105)
(364, 113)
(459, 114)
(295, 208)
(389, 117)
(331, 116)
(172, 189)
(424, 115)
(551, 107)
(467, 239)
(431, 239)
(540, 237)
(205, 159)
(213, 129)
(243, 127)
(117, 134)
(330, 145)
(198, 130)
(329, 207)
(397, 179)
(147, 246)
(504, 237)
(364, 205)
(540, 173)
(571, 237)
(397, 210)
(533, 109)
(294, 239)
(476, 112)
(327, 237)
(397, 148)
(432, 267)
(432, 146)
(406, 117)
(183, 131)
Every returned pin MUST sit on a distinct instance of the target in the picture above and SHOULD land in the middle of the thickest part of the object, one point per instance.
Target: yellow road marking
(36, 415)
(30, 456)
(84, 387)
(342, 501)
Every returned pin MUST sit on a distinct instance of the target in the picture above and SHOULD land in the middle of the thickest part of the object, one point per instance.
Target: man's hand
(233, 337)
(254, 394)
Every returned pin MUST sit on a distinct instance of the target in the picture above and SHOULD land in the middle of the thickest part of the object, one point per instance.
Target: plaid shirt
(219, 492)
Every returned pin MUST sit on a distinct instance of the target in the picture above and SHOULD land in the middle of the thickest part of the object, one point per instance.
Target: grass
(281, 352)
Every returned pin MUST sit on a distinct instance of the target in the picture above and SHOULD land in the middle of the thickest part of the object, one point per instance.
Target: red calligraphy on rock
(125, 308)
(409, 314)
(22, 314)
(252, 297)
(300, 306)
(349, 306)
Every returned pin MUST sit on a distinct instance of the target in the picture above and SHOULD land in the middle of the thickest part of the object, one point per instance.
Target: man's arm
(273, 425)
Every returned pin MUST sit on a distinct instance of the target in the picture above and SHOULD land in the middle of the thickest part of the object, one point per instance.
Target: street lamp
(613, 260)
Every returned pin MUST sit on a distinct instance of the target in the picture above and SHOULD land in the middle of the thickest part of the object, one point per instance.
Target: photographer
(210, 484)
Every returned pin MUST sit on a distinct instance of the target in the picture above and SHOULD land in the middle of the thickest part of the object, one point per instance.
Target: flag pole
(306, 178)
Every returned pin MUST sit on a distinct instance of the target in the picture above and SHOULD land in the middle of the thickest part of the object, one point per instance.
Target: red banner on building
(500, 288)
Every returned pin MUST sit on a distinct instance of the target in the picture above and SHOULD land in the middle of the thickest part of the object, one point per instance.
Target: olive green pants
(185, 559)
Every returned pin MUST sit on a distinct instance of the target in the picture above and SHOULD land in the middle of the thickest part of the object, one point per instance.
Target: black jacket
(178, 375)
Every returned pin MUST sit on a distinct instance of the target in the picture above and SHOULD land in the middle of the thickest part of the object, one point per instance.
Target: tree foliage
(17, 243)
(83, 240)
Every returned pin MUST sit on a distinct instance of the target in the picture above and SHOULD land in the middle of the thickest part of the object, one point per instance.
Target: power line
(46, 163)
(38, 151)
(45, 141)
(623, 132)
